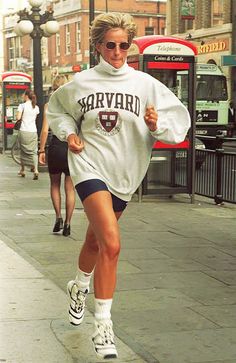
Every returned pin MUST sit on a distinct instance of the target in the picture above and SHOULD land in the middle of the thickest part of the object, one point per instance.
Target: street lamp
(92, 60)
(37, 25)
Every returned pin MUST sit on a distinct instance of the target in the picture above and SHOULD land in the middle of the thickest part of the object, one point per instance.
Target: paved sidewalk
(176, 292)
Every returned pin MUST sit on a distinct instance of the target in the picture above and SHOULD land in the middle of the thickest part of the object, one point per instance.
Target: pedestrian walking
(110, 116)
(27, 135)
(231, 119)
(58, 165)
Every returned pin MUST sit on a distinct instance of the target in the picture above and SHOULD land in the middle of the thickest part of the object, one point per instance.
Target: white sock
(83, 279)
(103, 309)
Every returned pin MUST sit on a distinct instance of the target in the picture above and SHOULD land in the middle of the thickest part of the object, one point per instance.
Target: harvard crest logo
(108, 122)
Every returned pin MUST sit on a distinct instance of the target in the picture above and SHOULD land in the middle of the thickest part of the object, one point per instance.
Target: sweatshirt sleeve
(61, 115)
(173, 117)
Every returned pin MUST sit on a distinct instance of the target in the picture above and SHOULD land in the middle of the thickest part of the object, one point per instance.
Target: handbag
(18, 122)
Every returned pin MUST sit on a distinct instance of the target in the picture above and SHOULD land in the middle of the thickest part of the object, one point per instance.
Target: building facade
(68, 51)
(209, 27)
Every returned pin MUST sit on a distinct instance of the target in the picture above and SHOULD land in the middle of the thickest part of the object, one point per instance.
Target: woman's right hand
(75, 144)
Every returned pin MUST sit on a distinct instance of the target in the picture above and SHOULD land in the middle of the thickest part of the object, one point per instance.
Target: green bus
(212, 101)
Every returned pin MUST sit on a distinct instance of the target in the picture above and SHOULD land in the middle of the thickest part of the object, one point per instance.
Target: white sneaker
(77, 302)
(103, 340)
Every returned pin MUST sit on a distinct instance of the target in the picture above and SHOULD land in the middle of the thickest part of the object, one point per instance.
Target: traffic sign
(228, 60)
(76, 68)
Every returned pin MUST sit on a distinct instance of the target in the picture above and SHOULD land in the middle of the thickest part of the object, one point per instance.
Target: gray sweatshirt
(106, 107)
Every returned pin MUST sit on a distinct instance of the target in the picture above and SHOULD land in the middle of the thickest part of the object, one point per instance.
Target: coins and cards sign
(187, 9)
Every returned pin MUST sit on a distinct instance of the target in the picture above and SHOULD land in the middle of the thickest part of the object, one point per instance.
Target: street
(175, 300)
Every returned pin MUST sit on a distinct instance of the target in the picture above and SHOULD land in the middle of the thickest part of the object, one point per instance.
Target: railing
(215, 175)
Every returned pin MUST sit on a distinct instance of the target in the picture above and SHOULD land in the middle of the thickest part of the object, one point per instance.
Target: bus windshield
(175, 80)
(211, 88)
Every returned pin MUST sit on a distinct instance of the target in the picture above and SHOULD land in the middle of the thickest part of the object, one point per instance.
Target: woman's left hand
(150, 118)
(42, 157)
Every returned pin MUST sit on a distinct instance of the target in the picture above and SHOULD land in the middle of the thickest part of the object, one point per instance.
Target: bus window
(166, 76)
(183, 88)
(211, 88)
(175, 80)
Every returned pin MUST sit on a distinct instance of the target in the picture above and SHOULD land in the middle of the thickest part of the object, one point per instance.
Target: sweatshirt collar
(108, 68)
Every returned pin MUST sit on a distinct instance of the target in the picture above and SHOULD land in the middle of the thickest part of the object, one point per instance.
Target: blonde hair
(58, 81)
(104, 22)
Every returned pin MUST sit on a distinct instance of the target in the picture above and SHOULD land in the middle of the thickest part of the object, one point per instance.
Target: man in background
(231, 119)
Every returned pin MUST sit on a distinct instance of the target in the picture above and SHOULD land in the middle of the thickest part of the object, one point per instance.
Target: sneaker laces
(106, 332)
(79, 300)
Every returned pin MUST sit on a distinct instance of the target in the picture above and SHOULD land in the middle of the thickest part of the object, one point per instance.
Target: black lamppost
(37, 25)
(92, 60)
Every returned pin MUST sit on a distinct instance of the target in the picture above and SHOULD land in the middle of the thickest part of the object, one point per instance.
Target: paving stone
(221, 295)
(167, 280)
(228, 277)
(224, 316)
(138, 253)
(31, 341)
(75, 339)
(167, 265)
(193, 346)
(196, 253)
(31, 299)
(142, 300)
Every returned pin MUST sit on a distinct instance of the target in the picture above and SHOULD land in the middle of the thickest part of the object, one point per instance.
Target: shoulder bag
(18, 122)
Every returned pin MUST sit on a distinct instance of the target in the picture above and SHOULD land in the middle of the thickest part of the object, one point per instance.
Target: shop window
(58, 44)
(217, 12)
(14, 47)
(149, 30)
(78, 37)
(67, 29)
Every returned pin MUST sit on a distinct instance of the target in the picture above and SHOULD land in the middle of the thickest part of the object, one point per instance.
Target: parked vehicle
(211, 101)
(199, 157)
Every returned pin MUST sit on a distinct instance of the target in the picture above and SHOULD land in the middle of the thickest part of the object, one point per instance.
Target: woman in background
(28, 137)
(57, 164)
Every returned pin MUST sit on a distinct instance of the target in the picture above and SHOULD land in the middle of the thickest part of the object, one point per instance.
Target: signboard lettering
(219, 46)
(168, 58)
(164, 48)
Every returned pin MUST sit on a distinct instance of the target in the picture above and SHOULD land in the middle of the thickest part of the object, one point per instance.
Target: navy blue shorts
(87, 187)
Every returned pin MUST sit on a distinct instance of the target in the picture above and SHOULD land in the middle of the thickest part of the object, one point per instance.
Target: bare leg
(89, 252)
(90, 249)
(56, 193)
(35, 160)
(22, 169)
(70, 198)
(102, 244)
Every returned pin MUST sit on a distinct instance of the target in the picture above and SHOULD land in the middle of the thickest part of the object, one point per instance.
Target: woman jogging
(110, 116)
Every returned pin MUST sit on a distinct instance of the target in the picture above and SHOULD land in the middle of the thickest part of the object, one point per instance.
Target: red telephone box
(13, 85)
(171, 61)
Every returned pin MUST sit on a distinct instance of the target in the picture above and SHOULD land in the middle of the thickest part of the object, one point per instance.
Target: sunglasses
(112, 45)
